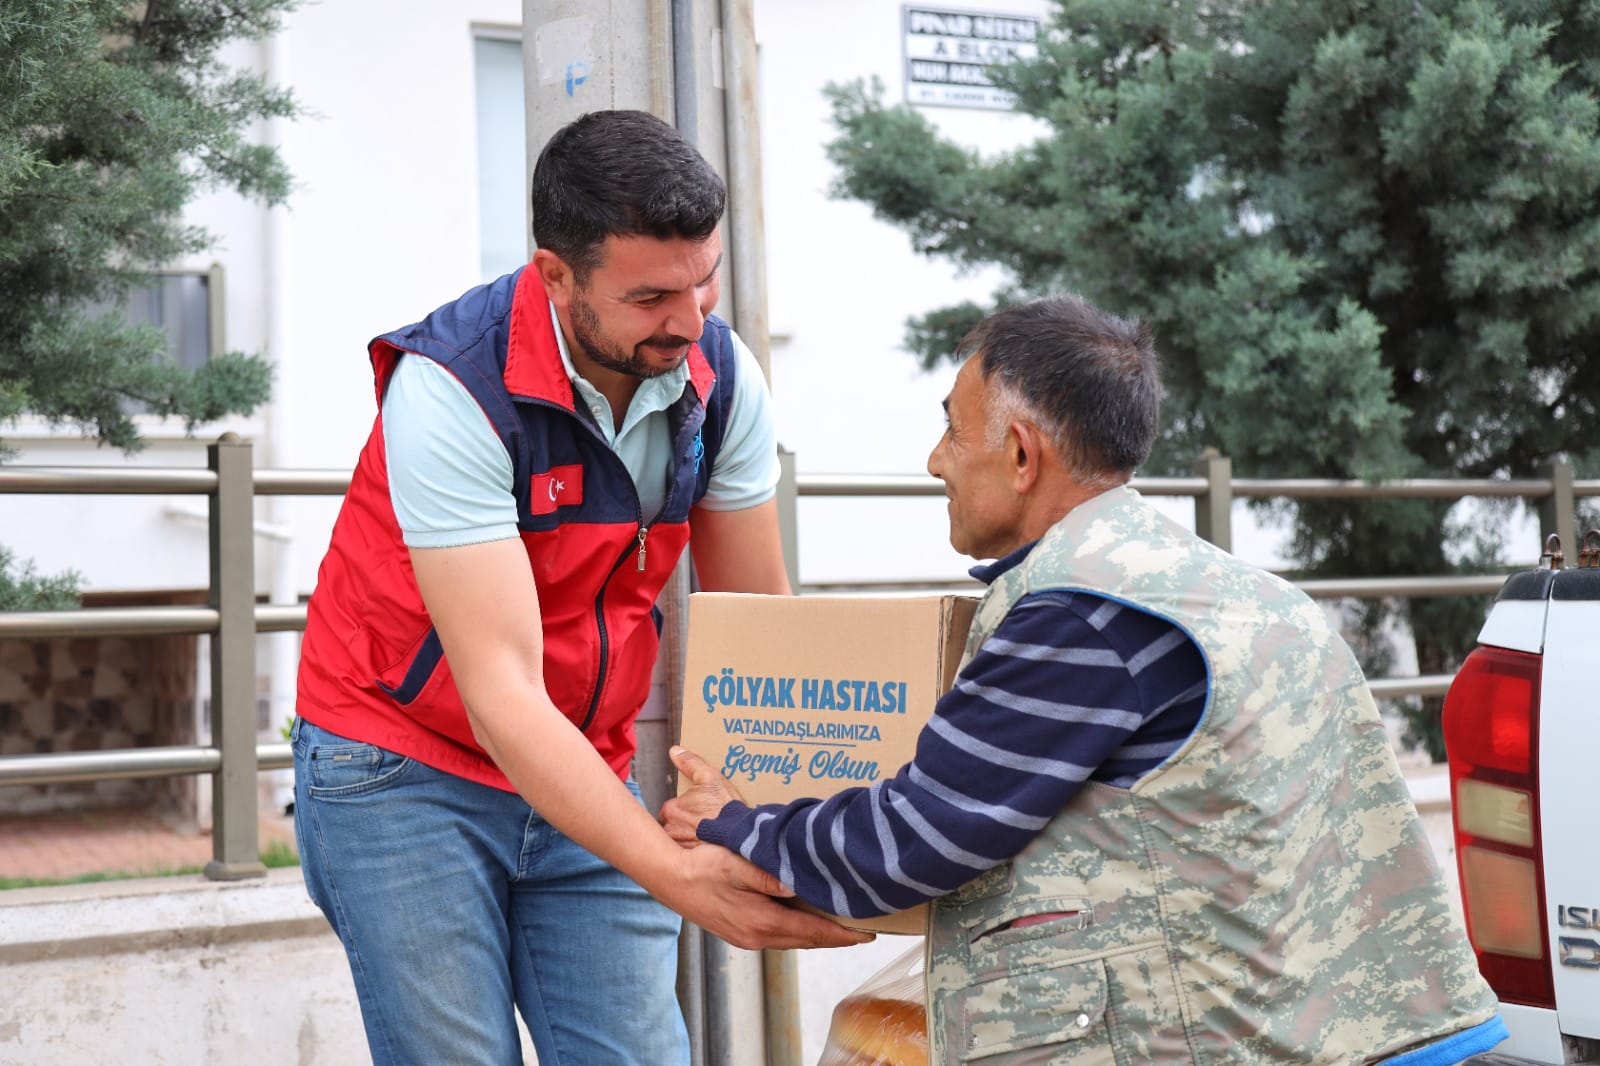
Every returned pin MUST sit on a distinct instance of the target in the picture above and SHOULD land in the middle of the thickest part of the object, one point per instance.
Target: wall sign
(947, 55)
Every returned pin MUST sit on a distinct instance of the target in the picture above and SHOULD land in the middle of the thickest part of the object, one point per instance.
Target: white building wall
(841, 286)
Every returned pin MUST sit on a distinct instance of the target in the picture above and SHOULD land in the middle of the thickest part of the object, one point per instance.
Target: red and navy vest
(371, 667)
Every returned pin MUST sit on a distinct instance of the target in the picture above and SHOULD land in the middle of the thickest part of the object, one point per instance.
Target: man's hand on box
(725, 895)
(708, 793)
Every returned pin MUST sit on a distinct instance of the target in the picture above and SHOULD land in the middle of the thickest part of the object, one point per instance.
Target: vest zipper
(605, 642)
(642, 531)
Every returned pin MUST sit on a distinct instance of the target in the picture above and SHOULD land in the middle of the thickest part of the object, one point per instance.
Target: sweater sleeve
(1063, 688)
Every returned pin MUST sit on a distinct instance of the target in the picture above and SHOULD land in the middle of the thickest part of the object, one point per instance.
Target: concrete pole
(713, 42)
(746, 232)
(697, 110)
(747, 239)
(580, 56)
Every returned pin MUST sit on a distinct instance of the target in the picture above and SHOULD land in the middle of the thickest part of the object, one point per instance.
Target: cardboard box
(806, 696)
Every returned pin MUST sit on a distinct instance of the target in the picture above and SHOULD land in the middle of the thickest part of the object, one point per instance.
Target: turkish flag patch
(560, 486)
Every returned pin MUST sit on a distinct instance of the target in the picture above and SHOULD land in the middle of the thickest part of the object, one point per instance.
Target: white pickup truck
(1522, 730)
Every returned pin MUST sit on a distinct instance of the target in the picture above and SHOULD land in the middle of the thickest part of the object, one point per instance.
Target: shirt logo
(560, 486)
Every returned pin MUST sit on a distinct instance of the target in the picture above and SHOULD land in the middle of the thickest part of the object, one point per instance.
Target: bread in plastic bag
(884, 1022)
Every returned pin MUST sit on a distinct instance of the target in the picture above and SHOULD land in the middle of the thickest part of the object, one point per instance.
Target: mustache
(666, 340)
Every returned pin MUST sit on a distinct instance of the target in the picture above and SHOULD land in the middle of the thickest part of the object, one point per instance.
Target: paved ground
(131, 842)
(61, 846)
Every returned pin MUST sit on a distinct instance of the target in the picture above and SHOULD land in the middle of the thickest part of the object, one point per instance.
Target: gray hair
(1089, 379)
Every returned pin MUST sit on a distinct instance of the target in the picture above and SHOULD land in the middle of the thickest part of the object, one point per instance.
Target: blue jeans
(455, 900)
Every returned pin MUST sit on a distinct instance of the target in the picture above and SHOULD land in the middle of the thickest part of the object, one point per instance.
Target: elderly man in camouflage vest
(1157, 814)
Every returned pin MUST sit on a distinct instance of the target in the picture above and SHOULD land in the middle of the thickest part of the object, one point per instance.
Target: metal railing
(1214, 489)
(232, 617)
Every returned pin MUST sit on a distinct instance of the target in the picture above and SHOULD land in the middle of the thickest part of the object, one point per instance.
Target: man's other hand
(708, 793)
(725, 895)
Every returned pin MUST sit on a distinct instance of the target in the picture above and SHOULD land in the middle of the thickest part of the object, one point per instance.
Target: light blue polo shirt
(450, 475)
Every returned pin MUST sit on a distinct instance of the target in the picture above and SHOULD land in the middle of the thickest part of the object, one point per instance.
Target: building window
(502, 154)
(186, 307)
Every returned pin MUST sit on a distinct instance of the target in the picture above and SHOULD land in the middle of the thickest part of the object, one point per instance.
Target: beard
(590, 335)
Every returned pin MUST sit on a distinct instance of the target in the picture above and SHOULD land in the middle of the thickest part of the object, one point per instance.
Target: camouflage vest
(1266, 895)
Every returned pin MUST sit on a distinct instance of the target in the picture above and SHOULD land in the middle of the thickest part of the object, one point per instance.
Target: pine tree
(1365, 231)
(113, 116)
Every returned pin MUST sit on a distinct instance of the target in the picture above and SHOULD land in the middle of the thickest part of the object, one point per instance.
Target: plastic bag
(884, 1022)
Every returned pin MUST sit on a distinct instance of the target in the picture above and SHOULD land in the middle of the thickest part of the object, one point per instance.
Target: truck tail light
(1491, 725)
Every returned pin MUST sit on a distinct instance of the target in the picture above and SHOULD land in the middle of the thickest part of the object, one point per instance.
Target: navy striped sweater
(1070, 687)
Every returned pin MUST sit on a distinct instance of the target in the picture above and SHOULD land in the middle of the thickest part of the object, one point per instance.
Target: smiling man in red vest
(483, 630)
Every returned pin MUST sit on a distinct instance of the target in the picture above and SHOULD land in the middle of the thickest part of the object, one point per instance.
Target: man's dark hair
(1088, 377)
(620, 174)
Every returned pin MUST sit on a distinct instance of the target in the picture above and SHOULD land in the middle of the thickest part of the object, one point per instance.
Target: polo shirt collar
(654, 394)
